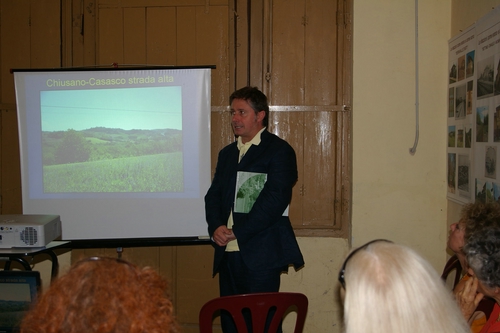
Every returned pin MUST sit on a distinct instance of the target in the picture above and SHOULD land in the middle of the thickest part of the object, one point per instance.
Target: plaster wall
(398, 195)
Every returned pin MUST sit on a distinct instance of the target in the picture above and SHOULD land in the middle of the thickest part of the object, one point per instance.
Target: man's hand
(468, 297)
(223, 235)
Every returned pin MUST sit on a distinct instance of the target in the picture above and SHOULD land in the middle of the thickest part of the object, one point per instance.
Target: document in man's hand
(248, 187)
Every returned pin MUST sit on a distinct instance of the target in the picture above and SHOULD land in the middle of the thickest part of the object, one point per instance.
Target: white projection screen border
(120, 154)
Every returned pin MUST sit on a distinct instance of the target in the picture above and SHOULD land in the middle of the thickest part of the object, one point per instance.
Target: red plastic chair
(259, 305)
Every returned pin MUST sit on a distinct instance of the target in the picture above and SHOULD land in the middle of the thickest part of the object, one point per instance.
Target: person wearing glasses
(104, 295)
(474, 217)
(246, 205)
(389, 288)
(483, 257)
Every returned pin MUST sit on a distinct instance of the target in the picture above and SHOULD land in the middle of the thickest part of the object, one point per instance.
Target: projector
(28, 230)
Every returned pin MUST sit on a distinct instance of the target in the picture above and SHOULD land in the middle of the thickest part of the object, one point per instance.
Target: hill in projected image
(112, 140)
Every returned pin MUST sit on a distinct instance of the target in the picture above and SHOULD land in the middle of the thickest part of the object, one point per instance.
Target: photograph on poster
(453, 73)
(485, 79)
(484, 190)
(468, 137)
(460, 138)
(490, 162)
(463, 177)
(460, 102)
(470, 64)
(461, 68)
(482, 124)
(470, 88)
(496, 124)
(452, 165)
(496, 191)
(497, 78)
(451, 102)
(451, 136)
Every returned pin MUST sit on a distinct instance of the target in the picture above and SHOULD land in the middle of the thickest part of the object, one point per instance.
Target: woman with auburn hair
(389, 288)
(101, 294)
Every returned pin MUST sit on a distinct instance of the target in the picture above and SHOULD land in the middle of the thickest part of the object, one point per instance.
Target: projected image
(112, 140)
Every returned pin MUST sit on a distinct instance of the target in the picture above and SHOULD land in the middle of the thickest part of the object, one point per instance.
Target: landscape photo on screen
(94, 143)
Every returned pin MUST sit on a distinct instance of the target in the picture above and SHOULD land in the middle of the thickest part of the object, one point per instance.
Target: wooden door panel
(221, 134)
(17, 47)
(186, 30)
(134, 33)
(320, 52)
(320, 169)
(161, 37)
(287, 53)
(45, 34)
(303, 59)
(289, 126)
(15, 44)
(212, 38)
(10, 181)
(110, 36)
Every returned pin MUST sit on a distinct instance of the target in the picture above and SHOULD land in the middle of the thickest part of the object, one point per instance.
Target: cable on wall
(413, 150)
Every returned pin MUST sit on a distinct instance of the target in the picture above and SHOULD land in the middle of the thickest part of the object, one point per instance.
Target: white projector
(28, 230)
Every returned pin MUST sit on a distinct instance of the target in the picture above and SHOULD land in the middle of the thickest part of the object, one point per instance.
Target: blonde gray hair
(391, 289)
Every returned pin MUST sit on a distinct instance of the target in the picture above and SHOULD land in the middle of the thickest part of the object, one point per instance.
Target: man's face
(246, 123)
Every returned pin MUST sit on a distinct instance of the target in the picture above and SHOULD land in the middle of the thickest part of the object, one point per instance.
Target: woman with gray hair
(390, 288)
(482, 251)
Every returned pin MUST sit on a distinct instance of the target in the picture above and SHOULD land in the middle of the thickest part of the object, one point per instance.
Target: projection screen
(117, 153)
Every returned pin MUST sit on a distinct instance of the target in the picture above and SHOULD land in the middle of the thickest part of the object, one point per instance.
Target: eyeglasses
(342, 270)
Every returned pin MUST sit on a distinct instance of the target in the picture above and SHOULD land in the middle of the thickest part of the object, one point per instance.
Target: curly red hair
(104, 295)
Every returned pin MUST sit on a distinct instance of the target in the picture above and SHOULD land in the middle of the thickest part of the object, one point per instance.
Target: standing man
(252, 248)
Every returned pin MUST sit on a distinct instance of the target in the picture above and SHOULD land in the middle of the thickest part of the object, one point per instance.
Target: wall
(397, 195)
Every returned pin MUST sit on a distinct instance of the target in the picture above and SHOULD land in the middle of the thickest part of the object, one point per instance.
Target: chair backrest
(453, 264)
(259, 305)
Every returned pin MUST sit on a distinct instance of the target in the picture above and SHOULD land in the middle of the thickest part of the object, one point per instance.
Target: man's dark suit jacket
(265, 237)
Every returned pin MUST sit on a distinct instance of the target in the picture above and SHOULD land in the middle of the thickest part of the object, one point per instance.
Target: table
(19, 254)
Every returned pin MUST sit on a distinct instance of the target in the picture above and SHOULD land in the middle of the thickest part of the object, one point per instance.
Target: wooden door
(298, 52)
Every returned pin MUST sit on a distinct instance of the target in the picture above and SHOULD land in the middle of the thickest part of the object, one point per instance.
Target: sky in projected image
(126, 108)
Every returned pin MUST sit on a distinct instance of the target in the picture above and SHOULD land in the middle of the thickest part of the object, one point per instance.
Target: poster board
(473, 126)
